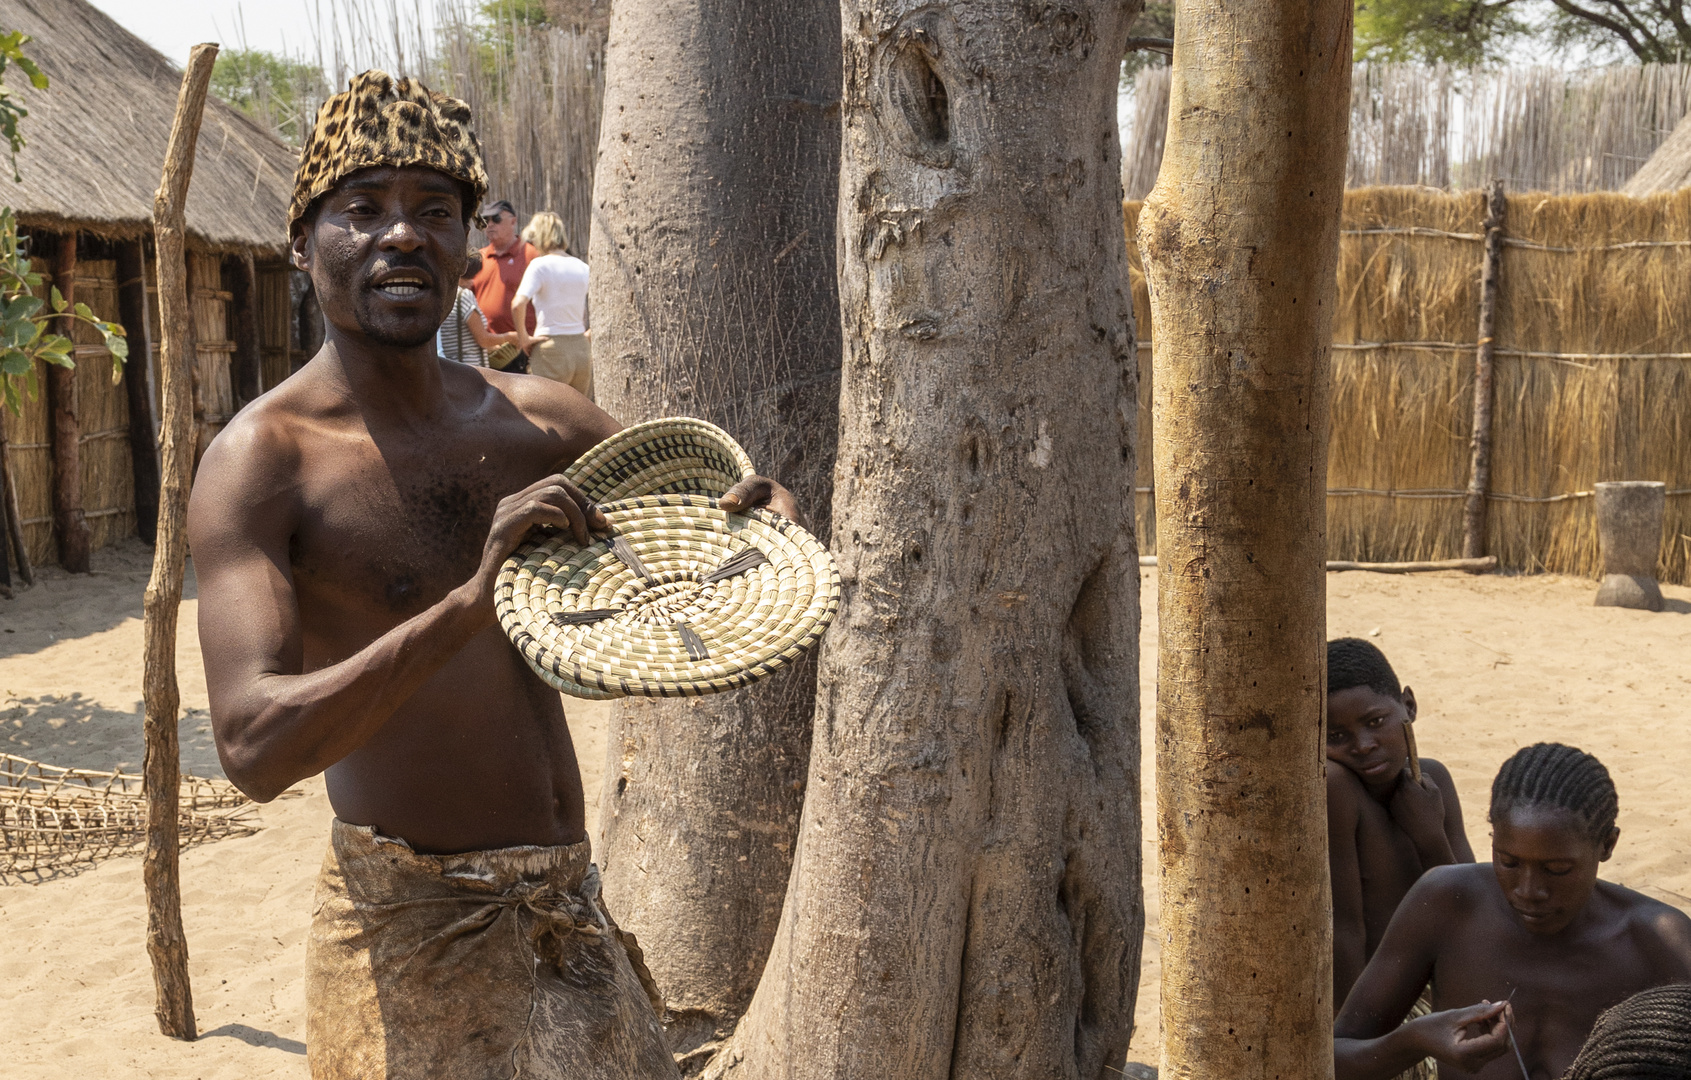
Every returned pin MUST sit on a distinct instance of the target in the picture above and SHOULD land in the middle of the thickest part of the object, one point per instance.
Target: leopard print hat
(383, 121)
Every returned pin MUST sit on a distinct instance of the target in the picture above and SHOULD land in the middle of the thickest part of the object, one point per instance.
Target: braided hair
(1645, 1037)
(1563, 777)
(1355, 662)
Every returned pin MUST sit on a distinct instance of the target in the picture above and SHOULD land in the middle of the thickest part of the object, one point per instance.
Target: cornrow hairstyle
(1645, 1037)
(1355, 662)
(1563, 777)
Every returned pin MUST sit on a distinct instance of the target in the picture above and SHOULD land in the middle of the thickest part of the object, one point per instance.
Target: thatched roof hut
(81, 462)
(97, 135)
(1669, 168)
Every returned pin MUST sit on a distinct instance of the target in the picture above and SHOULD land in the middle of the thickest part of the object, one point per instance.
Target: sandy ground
(1496, 662)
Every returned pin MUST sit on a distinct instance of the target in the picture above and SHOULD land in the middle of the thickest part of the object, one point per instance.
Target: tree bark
(1240, 237)
(166, 943)
(965, 898)
(138, 385)
(14, 518)
(714, 296)
(70, 526)
(247, 362)
(1479, 446)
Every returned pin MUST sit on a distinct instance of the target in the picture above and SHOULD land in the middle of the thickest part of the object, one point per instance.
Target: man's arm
(1350, 929)
(276, 724)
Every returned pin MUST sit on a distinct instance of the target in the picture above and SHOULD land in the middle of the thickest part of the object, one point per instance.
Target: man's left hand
(762, 491)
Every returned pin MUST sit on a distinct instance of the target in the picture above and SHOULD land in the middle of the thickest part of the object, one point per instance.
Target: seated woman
(1524, 953)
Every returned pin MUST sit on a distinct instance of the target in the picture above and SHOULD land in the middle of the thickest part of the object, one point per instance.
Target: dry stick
(14, 519)
(1479, 470)
(166, 943)
(1489, 562)
(1414, 754)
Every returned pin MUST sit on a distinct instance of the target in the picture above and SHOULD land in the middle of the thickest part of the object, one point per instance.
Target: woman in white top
(464, 335)
(556, 283)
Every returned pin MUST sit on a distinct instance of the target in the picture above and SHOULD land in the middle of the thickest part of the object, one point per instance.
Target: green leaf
(117, 343)
(14, 362)
(58, 300)
(21, 306)
(83, 311)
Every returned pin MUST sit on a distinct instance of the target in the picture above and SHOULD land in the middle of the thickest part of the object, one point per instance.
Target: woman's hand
(762, 491)
(1466, 1038)
(1418, 809)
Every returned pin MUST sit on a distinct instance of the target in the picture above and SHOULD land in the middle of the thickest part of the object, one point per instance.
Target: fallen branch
(1488, 562)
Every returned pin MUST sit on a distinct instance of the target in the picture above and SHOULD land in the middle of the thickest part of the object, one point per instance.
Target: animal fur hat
(381, 121)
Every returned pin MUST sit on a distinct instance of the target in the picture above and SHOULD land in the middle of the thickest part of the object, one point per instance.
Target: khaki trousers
(567, 358)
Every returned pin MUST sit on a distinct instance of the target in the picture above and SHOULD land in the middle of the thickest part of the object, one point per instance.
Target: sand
(1496, 662)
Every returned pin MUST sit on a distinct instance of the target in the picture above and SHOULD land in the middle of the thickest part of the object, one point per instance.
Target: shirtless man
(1523, 953)
(1384, 830)
(347, 529)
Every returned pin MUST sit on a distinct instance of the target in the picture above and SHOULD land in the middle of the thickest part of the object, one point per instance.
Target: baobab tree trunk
(965, 898)
(1240, 237)
(714, 296)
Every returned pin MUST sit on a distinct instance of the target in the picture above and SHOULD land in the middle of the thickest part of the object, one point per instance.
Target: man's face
(383, 252)
(501, 230)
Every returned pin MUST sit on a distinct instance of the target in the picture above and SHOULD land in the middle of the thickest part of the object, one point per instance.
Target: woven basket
(677, 598)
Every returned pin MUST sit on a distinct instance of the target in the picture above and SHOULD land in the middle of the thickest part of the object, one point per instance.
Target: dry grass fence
(1593, 373)
(1538, 129)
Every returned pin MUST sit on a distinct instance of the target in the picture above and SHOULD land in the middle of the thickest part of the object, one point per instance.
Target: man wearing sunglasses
(503, 261)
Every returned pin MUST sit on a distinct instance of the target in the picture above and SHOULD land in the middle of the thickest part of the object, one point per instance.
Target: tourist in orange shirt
(504, 260)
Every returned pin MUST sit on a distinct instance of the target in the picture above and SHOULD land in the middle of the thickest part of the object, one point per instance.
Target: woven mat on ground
(53, 819)
(677, 598)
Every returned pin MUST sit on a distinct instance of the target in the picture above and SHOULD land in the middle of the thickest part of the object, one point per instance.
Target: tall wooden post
(166, 943)
(247, 363)
(138, 384)
(70, 526)
(1241, 239)
(1479, 445)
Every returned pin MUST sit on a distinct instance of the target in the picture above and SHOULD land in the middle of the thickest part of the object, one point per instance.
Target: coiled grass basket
(677, 598)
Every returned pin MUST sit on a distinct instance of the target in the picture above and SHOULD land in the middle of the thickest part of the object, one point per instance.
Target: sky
(288, 27)
(175, 26)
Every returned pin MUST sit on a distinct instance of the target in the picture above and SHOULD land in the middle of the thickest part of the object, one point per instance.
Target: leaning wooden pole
(166, 943)
(1479, 444)
(1241, 238)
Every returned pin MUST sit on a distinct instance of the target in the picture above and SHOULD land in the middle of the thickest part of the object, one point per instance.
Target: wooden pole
(1242, 282)
(166, 944)
(70, 526)
(1479, 468)
(14, 519)
(138, 385)
(247, 363)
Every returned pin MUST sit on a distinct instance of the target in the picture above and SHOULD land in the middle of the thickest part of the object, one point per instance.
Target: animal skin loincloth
(491, 964)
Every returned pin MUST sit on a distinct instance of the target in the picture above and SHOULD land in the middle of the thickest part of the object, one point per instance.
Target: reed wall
(108, 482)
(1593, 373)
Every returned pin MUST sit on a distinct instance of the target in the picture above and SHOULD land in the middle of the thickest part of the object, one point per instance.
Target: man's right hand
(1466, 1038)
(552, 503)
(1418, 809)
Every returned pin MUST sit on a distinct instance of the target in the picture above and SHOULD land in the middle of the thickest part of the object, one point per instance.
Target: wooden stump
(1629, 524)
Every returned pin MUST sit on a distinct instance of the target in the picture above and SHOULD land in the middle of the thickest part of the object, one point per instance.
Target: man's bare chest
(392, 532)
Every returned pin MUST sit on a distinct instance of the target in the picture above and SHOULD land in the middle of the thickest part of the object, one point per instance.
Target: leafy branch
(24, 337)
(11, 110)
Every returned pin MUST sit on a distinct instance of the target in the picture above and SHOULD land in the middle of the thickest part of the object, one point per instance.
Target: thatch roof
(97, 135)
(1669, 168)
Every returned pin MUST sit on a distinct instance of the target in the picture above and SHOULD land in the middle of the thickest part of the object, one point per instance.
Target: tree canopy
(1467, 32)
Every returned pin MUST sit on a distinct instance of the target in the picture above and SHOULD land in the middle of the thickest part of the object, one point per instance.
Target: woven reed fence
(54, 819)
(108, 482)
(1593, 374)
(1537, 129)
